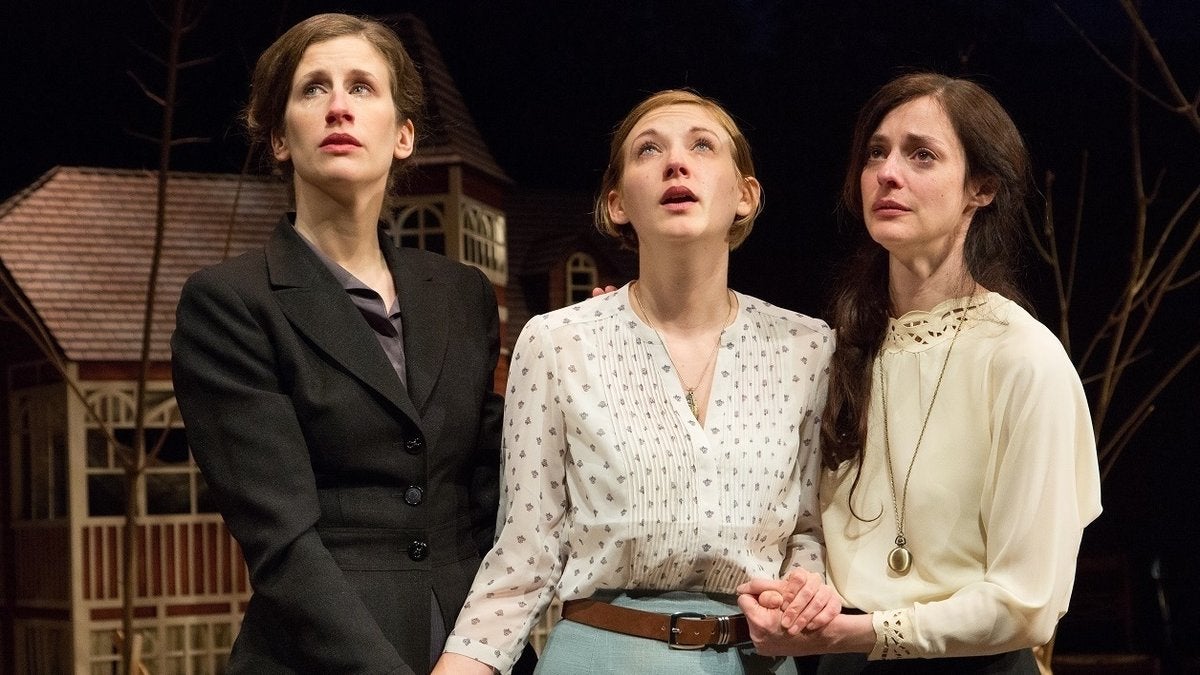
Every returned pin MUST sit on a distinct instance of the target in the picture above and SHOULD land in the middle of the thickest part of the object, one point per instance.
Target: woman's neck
(344, 230)
(921, 287)
(683, 292)
(349, 236)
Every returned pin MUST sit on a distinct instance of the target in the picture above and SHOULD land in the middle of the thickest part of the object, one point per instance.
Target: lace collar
(917, 331)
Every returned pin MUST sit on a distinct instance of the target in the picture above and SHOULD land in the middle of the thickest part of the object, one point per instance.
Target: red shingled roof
(450, 135)
(78, 243)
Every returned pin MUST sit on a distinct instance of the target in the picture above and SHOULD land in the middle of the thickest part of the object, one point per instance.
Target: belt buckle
(673, 630)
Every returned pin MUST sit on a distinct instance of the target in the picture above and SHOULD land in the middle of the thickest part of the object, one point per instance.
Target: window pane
(39, 479)
(106, 495)
(58, 465)
(97, 449)
(26, 496)
(174, 449)
(174, 639)
(436, 242)
(222, 635)
(200, 638)
(168, 493)
(102, 643)
(149, 642)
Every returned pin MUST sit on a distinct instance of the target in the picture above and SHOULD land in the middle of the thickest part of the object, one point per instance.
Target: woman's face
(340, 128)
(916, 198)
(679, 181)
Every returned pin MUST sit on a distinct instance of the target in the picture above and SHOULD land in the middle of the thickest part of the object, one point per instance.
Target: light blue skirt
(574, 648)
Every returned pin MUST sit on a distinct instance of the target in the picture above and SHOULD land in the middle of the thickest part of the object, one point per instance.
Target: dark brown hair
(625, 233)
(859, 310)
(271, 83)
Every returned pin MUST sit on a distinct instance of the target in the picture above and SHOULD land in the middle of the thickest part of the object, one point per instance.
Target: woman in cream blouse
(961, 460)
(661, 443)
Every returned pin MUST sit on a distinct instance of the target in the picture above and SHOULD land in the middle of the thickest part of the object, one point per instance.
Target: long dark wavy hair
(861, 304)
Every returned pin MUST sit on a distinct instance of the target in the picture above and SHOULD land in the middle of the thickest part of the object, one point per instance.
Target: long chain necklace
(690, 395)
(900, 558)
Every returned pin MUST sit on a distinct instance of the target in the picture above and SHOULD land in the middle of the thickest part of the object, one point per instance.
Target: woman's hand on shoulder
(597, 292)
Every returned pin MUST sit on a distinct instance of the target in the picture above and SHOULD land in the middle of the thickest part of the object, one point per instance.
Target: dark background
(547, 81)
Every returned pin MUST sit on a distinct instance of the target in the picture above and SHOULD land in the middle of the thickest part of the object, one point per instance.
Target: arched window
(582, 277)
(420, 226)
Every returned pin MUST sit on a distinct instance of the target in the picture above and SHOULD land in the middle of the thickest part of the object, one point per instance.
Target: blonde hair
(624, 233)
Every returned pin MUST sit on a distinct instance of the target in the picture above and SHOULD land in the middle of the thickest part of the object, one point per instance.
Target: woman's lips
(677, 194)
(340, 142)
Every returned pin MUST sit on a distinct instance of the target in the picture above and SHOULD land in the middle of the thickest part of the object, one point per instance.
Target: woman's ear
(751, 192)
(279, 148)
(405, 140)
(983, 192)
(616, 211)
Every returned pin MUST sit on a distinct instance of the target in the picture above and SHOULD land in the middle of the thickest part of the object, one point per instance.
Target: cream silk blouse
(611, 483)
(1003, 484)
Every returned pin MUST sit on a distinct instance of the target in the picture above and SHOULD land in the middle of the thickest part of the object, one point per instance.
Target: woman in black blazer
(337, 389)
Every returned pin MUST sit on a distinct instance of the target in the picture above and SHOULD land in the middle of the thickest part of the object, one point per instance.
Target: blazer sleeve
(485, 479)
(249, 444)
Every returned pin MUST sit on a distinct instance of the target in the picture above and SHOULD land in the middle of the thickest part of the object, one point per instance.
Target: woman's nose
(675, 167)
(887, 171)
(339, 109)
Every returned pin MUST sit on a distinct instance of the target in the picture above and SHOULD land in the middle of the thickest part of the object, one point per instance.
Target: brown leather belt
(682, 630)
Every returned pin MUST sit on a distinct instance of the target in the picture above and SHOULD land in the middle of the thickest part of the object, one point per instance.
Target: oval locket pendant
(900, 560)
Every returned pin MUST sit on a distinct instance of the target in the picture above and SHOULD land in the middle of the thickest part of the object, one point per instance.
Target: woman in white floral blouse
(661, 443)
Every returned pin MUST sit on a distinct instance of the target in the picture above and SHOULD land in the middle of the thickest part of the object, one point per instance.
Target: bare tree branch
(1183, 107)
(1131, 81)
(146, 90)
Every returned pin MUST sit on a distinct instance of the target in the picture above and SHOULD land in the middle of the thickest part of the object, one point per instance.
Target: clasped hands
(789, 616)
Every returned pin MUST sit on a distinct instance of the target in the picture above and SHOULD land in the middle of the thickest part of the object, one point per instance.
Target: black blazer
(352, 497)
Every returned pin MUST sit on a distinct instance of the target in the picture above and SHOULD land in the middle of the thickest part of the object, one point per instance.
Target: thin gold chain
(898, 509)
(690, 397)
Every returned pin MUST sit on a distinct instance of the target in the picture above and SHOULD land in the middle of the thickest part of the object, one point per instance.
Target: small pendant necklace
(690, 391)
(900, 558)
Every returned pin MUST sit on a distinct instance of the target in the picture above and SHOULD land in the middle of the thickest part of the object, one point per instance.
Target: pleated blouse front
(611, 483)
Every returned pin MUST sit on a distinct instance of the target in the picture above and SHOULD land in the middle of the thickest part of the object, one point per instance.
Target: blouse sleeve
(516, 581)
(806, 546)
(1041, 488)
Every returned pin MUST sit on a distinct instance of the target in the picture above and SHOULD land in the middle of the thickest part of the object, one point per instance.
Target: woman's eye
(311, 90)
(923, 155)
(703, 144)
(360, 89)
(646, 149)
(875, 153)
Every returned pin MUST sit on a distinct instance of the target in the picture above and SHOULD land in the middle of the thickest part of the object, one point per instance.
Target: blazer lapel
(319, 308)
(423, 302)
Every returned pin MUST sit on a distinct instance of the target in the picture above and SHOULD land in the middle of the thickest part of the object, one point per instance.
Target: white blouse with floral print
(611, 483)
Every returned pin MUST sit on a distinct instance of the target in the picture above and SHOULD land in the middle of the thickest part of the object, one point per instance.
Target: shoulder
(567, 323)
(436, 265)
(245, 271)
(607, 307)
(796, 324)
(1019, 343)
